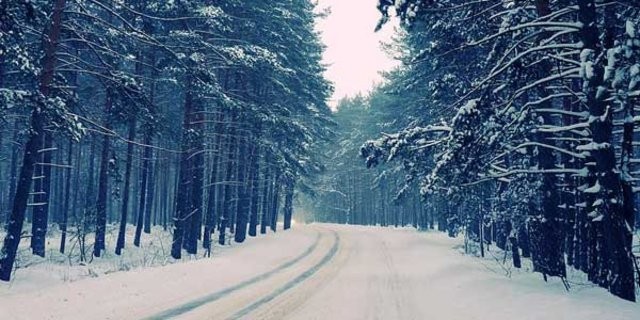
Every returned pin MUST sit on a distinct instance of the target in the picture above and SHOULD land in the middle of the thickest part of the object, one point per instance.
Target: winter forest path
(323, 271)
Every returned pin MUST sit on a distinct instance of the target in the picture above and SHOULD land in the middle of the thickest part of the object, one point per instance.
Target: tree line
(347, 192)
(516, 123)
(199, 116)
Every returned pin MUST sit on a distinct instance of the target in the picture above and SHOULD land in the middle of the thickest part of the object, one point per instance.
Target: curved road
(323, 272)
(348, 273)
(381, 273)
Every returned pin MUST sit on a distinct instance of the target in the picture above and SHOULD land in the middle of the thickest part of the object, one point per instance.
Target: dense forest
(509, 122)
(515, 122)
(198, 116)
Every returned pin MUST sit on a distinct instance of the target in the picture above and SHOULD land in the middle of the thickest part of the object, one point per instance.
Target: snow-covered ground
(402, 274)
(319, 271)
(34, 273)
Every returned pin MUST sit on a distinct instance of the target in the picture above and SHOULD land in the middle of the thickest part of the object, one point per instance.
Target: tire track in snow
(191, 305)
(293, 283)
(392, 281)
(289, 303)
(383, 287)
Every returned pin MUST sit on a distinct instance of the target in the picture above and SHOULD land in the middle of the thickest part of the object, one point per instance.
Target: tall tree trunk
(626, 169)
(220, 185)
(67, 198)
(37, 134)
(142, 219)
(212, 201)
(122, 231)
(3, 204)
(13, 180)
(267, 185)
(150, 190)
(288, 202)
(76, 182)
(2, 197)
(183, 195)
(242, 202)
(568, 203)
(103, 182)
(614, 255)
(16, 220)
(42, 196)
(255, 190)
(197, 180)
(227, 205)
(275, 203)
(544, 221)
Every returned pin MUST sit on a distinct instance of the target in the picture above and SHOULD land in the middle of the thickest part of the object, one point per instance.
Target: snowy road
(323, 272)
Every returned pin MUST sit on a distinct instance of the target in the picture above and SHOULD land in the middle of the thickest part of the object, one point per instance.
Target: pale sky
(353, 52)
